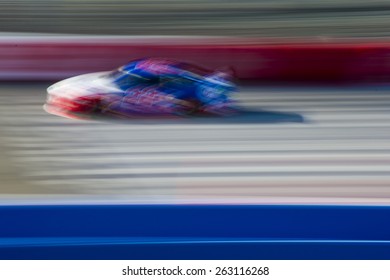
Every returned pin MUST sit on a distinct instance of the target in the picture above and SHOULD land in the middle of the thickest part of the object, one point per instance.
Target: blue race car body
(144, 88)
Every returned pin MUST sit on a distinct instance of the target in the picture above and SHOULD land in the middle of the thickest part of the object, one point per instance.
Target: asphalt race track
(296, 145)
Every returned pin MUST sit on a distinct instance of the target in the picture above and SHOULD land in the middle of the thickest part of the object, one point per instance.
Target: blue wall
(194, 232)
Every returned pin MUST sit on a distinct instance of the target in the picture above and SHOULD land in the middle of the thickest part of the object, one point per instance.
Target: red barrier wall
(26, 59)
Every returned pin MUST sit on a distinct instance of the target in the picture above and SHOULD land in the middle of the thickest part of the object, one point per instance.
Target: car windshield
(126, 80)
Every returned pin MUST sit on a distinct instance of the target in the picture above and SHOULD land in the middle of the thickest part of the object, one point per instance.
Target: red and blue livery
(150, 87)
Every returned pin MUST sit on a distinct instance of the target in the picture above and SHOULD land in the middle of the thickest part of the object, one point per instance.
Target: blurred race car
(144, 88)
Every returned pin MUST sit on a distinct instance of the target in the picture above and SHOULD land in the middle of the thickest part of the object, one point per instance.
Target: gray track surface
(305, 145)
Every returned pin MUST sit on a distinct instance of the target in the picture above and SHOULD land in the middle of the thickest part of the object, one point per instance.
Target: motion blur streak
(283, 18)
(309, 145)
(306, 145)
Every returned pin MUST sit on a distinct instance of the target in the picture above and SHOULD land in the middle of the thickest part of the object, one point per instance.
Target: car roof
(177, 64)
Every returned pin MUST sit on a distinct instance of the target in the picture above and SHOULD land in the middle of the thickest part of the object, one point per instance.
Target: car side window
(176, 82)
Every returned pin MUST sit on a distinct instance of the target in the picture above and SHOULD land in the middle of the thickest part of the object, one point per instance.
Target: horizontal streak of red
(367, 62)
